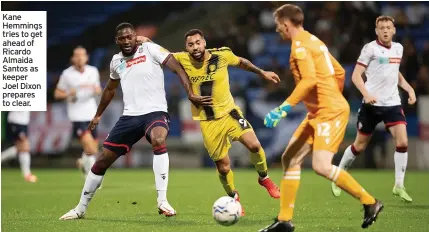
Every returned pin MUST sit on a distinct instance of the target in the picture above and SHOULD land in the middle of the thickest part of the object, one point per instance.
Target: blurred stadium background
(249, 30)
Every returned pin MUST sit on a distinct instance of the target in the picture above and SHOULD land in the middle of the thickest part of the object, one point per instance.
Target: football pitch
(127, 202)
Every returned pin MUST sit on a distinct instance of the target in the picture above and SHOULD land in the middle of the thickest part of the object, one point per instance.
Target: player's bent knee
(254, 146)
(158, 141)
(103, 162)
(223, 166)
(402, 143)
(223, 169)
(23, 145)
(322, 169)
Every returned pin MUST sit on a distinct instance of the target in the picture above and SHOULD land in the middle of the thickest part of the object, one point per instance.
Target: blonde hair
(291, 12)
(384, 18)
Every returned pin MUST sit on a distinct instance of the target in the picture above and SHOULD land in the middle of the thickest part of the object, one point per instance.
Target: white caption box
(23, 61)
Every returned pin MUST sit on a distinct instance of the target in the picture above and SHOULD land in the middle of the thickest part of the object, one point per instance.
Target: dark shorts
(81, 128)
(130, 129)
(369, 116)
(18, 131)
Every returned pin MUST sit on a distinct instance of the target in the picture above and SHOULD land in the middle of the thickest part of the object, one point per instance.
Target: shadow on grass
(151, 220)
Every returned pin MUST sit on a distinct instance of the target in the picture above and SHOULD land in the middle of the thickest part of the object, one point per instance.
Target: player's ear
(376, 32)
(394, 30)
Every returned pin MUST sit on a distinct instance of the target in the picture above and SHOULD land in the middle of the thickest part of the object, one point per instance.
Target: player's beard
(201, 57)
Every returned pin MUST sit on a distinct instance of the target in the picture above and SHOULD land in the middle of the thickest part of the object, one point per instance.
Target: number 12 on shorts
(324, 129)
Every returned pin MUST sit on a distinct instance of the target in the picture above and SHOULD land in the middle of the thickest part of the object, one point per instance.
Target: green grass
(37, 207)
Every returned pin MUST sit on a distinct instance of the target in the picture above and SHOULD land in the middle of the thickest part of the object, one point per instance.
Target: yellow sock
(346, 182)
(260, 162)
(288, 189)
(228, 182)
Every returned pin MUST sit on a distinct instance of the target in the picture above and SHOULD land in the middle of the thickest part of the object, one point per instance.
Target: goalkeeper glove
(274, 116)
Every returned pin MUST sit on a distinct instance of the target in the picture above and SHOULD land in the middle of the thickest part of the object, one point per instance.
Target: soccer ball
(226, 211)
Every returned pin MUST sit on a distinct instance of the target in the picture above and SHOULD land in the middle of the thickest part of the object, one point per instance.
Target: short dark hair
(122, 26)
(194, 32)
(291, 12)
(384, 18)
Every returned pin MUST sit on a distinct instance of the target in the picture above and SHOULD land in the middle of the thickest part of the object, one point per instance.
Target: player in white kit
(79, 85)
(380, 61)
(18, 122)
(138, 68)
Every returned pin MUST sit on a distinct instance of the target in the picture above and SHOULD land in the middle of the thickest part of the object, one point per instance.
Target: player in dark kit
(139, 70)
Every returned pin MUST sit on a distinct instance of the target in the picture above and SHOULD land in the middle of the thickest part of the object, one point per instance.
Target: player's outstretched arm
(308, 81)
(174, 66)
(248, 66)
(106, 97)
(407, 87)
(360, 85)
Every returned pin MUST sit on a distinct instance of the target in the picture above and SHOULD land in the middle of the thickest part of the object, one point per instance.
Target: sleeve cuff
(166, 59)
(361, 64)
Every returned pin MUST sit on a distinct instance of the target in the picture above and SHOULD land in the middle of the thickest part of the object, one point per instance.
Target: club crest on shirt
(300, 53)
(212, 67)
(140, 49)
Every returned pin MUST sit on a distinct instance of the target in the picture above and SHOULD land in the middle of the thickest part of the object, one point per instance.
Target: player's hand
(72, 92)
(411, 98)
(72, 95)
(370, 99)
(94, 122)
(200, 100)
(270, 76)
(274, 116)
(142, 39)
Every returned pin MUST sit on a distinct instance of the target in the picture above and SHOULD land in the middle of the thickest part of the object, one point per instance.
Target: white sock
(161, 165)
(92, 183)
(9, 153)
(347, 159)
(91, 161)
(401, 160)
(87, 161)
(24, 162)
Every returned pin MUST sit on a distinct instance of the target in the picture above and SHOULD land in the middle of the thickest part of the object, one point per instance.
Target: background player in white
(79, 85)
(139, 70)
(18, 122)
(380, 60)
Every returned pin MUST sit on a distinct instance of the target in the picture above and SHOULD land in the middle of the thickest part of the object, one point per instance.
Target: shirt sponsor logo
(394, 60)
(197, 79)
(389, 60)
(136, 60)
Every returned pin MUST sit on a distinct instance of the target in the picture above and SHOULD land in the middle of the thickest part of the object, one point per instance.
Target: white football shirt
(382, 71)
(142, 79)
(19, 117)
(85, 107)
